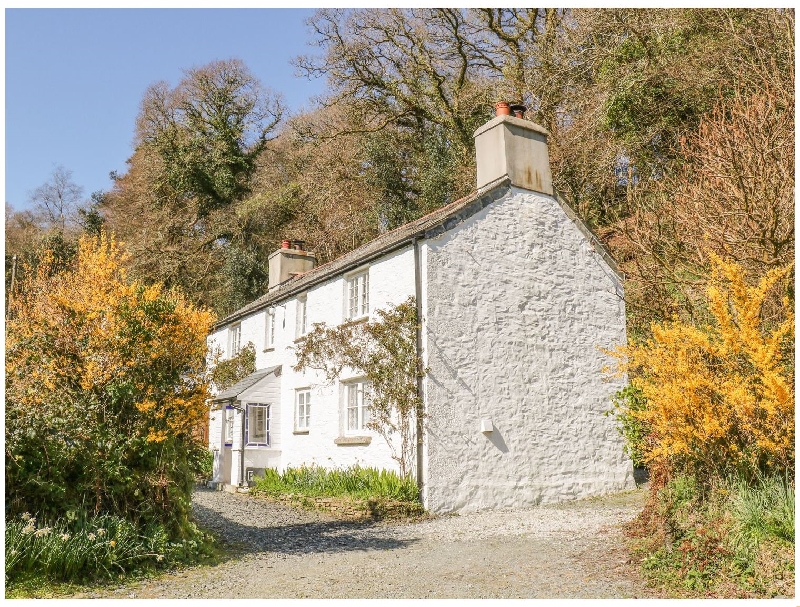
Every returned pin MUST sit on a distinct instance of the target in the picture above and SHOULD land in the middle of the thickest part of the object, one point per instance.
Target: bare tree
(57, 199)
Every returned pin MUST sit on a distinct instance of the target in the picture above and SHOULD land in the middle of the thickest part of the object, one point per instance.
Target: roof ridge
(412, 227)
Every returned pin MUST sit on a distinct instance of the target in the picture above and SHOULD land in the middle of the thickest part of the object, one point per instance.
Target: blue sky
(75, 78)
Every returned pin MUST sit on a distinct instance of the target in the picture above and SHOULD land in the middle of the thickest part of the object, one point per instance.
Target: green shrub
(354, 481)
(626, 403)
(203, 463)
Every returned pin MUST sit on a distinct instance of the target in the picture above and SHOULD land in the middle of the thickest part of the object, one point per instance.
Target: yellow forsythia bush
(720, 397)
(105, 391)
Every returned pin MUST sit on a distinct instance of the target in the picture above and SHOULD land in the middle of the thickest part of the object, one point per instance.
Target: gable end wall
(517, 303)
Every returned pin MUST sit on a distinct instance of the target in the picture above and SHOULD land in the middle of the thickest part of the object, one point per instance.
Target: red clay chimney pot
(501, 108)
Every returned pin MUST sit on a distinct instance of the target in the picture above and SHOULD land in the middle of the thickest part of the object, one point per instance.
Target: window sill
(353, 440)
(270, 349)
(300, 432)
(361, 320)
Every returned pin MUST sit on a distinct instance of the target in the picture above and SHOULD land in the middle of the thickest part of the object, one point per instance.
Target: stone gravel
(572, 550)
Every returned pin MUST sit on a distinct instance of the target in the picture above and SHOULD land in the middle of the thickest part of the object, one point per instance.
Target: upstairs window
(235, 339)
(269, 334)
(302, 320)
(257, 425)
(357, 296)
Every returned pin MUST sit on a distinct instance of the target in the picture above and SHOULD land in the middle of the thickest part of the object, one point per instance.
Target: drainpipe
(418, 297)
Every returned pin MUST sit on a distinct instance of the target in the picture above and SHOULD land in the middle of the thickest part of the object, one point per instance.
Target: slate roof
(428, 226)
(244, 384)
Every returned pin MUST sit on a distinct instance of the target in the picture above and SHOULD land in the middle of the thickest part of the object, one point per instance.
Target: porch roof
(233, 392)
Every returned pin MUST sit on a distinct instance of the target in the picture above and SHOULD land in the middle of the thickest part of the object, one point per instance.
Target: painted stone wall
(517, 303)
(391, 281)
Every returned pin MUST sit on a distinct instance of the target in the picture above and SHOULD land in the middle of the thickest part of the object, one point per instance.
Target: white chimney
(509, 145)
(289, 261)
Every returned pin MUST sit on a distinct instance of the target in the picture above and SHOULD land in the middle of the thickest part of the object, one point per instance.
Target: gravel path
(569, 550)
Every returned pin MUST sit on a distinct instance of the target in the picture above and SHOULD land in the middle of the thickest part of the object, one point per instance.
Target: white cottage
(515, 296)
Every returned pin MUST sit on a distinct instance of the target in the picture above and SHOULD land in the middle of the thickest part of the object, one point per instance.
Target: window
(303, 414)
(356, 406)
(235, 339)
(229, 413)
(269, 334)
(301, 316)
(357, 295)
(257, 425)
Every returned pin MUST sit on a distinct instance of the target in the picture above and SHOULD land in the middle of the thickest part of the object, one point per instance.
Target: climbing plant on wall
(385, 352)
(227, 372)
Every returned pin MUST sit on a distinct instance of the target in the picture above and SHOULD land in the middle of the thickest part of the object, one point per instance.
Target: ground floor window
(257, 424)
(356, 408)
(303, 417)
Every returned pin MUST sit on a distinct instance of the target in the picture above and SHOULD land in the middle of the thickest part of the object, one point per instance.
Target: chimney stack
(509, 145)
(289, 261)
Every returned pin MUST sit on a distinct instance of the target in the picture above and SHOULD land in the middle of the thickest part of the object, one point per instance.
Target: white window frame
(356, 295)
(228, 421)
(235, 339)
(269, 329)
(302, 316)
(355, 408)
(251, 413)
(302, 410)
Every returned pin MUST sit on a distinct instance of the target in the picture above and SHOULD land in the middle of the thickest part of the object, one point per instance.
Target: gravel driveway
(571, 550)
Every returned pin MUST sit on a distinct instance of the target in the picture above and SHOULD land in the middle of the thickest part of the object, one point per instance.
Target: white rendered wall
(391, 282)
(517, 303)
(265, 392)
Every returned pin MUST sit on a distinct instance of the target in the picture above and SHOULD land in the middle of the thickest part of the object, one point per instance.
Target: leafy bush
(203, 464)
(711, 411)
(720, 398)
(105, 391)
(354, 481)
(386, 352)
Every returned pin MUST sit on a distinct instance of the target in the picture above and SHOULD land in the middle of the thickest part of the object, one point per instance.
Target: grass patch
(351, 491)
(55, 555)
(355, 481)
(735, 539)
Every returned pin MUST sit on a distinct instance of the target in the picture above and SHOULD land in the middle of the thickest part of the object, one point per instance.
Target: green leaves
(208, 132)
